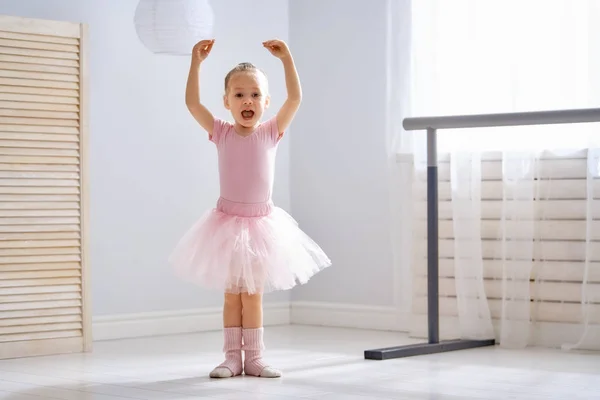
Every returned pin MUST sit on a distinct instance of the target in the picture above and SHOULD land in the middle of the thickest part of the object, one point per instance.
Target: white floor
(318, 363)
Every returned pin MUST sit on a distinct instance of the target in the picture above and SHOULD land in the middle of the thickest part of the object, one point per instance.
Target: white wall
(338, 157)
(153, 171)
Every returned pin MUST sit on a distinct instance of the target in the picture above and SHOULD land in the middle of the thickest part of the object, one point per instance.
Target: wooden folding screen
(44, 273)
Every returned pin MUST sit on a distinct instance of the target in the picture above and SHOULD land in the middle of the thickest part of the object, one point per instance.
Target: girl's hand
(278, 48)
(202, 49)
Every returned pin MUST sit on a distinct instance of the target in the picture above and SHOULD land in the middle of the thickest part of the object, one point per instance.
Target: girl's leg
(232, 311)
(252, 323)
(253, 312)
(232, 331)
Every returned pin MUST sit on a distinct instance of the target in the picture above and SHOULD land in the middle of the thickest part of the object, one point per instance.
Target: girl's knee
(233, 300)
(251, 300)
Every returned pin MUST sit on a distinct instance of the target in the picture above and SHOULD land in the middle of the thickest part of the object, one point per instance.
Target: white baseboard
(176, 322)
(347, 316)
(210, 319)
(305, 313)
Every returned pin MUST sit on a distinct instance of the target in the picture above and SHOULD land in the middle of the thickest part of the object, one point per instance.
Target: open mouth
(247, 114)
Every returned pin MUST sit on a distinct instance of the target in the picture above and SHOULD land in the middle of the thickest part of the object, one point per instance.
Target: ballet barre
(432, 125)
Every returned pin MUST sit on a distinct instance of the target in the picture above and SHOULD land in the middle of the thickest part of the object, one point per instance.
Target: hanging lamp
(173, 27)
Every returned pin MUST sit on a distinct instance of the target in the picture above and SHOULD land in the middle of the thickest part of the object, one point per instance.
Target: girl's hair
(242, 67)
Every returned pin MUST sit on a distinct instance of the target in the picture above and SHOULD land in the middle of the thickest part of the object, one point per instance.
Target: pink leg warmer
(253, 361)
(232, 366)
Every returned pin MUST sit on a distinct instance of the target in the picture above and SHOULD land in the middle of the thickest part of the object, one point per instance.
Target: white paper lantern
(173, 26)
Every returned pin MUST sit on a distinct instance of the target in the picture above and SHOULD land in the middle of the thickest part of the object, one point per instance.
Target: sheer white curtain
(489, 56)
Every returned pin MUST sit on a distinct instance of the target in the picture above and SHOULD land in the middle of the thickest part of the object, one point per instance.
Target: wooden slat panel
(41, 312)
(61, 55)
(39, 259)
(32, 83)
(22, 105)
(42, 289)
(559, 312)
(39, 60)
(59, 273)
(39, 38)
(568, 271)
(16, 151)
(31, 26)
(39, 167)
(561, 169)
(45, 94)
(60, 130)
(39, 221)
(17, 113)
(5, 73)
(546, 312)
(38, 213)
(40, 320)
(39, 228)
(39, 247)
(26, 298)
(39, 282)
(41, 137)
(544, 155)
(18, 290)
(51, 176)
(44, 251)
(544, 209)
(38, 198)
(548, 291)
(42, 69)
(41, 267)
(28, 144)
(564, 189)
(38, 95)
(29, 329)
(40, 335)
(33, 348)
(38, 190)
(545, 230)
(38, 160)
(38, 305)
(38, 121)
(547, 169)
(38, 182)
(42, 205)
(34, 45)
(546, 250)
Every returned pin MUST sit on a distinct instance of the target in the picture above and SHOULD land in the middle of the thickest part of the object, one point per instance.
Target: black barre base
(425, 348)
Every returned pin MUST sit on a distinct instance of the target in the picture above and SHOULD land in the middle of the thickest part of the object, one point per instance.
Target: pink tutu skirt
(253, 248)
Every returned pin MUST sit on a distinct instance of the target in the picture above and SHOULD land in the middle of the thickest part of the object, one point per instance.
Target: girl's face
(247, 98)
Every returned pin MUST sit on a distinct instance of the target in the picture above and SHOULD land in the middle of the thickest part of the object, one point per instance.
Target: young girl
(246, 246)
